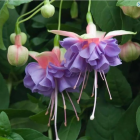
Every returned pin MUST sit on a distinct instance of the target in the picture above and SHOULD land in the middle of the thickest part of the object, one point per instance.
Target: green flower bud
(47, 10)
(131, 11)
(23, 38)
(129, 51)
(17, 54)
(74, 10)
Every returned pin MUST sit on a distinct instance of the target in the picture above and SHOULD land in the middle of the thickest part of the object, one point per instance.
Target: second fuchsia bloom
(48, 76)
(92, 51)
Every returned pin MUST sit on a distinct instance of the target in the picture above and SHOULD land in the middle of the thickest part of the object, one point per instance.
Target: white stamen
(64, 110)
(55, 121)
(77, 81)
(107, 86)
(86, 80)
(73, 106)
(95, 98)
(82, 87)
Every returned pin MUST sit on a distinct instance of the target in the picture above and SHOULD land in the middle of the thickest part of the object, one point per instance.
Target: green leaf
(40, 117)
(27, 123)
(127, 24)
(138, 118)
(30, 134)
(18, 2)
(32, 98)
(15, 113)
(16, 136)
(4, 94)
(106, 15)
(37, 41)
(5, 127)
(4, 15)
(27, 105)
(72, 130)
(127, 2)
(119, 87)
(2, 138)
(126, 128)
(106, 118)
(84, 138)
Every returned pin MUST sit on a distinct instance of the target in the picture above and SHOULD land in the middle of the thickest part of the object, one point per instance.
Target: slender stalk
(29, 16)
(36, 11)
(50, 133)
(60, 10)
(89, 5)
(30, 11)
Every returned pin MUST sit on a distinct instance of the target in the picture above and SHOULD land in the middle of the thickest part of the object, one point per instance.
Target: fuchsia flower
(92, 51)
(47, 76)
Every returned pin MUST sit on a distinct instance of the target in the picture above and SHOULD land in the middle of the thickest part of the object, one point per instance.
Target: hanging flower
(92, 51)
(48, 76)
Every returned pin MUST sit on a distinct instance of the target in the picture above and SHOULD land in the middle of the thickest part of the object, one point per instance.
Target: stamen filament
(82, 87)
(95, 98)
(107, 86)
(101, 76)
(52, 106)
(77, 81)
(64, 103)
(55, 121)
(86, 80)
(73, 106)
(49, 106)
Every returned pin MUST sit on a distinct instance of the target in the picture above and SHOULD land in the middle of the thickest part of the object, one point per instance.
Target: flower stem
(89, 5)
(29, 16)
(60, 9)
(50, 133)
(30, 11)
(36, 11)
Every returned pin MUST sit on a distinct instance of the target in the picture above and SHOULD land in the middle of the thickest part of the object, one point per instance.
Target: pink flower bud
(17, 54)
(129, 51)
(131, 11)
(74, 10)
(47, 10)
(23, 38)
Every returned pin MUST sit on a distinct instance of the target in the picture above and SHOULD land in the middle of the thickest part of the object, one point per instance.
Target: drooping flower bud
(74, 10)
(131, 11)
(129, 51)
(47, 10)
(17, 54)
(23, 38)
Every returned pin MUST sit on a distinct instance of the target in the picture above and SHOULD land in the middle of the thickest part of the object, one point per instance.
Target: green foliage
(126, 128)
(18, 2)
(4, 15)
(71, 131)
(106, 119)
(4, 94)
(127, 2)
(29, 134)
(5, 127)
(119, 87)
